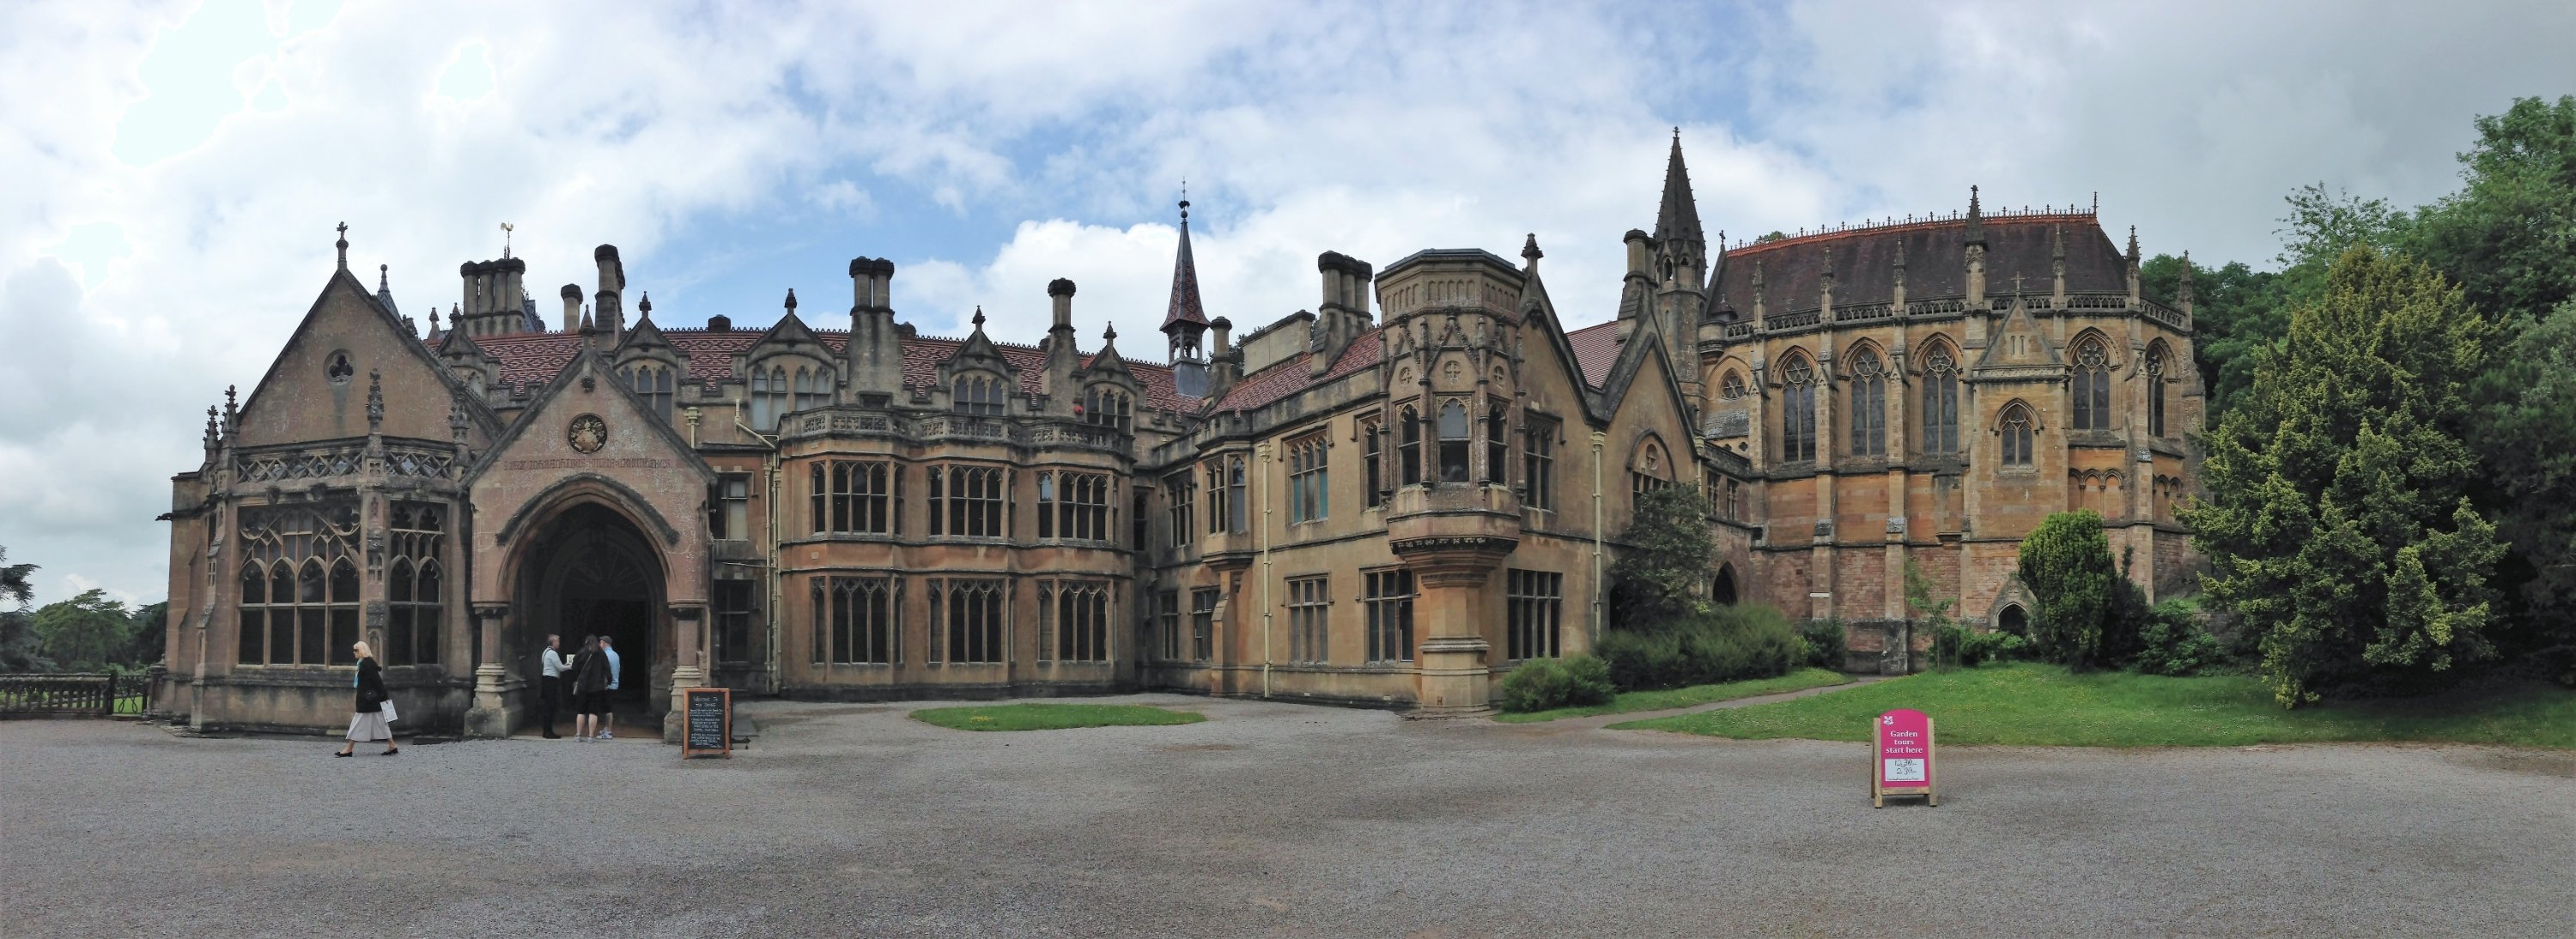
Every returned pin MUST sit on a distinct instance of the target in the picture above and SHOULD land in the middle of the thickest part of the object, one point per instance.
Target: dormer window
(654, 384)
(976, 394)
(1106, 406)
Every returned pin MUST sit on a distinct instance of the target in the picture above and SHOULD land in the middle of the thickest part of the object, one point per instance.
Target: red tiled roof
(1596, 349)
(530, 358)
(1292, 375)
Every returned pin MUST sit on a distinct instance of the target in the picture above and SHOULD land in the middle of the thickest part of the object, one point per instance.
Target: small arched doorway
(590, 572)
(2013, 620)
(1722, 589)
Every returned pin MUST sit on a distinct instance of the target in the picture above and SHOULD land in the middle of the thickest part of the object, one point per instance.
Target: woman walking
(367, 723)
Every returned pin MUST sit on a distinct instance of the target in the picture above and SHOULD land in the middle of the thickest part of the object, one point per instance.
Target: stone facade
(1386, 507)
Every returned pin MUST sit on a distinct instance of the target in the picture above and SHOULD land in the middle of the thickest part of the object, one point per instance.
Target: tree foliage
(1661, 576)
(18, 648)
(2066, 563)
(84, 633)
(2337, 517)
(2235, 309)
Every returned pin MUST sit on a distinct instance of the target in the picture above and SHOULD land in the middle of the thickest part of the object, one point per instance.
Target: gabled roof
(1291, 375)
(1596, 349)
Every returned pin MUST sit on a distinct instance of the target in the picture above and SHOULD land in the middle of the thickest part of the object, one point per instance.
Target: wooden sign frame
(724, 745)
(1931, 788)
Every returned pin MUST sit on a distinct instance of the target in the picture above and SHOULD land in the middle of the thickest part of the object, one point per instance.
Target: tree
(18, 652)
(2509, 235)
(2066, 563)
(83, 633)
(2235, 309)
(146, 633)
(1662, 574)
(2337, 519)
(2527, 435)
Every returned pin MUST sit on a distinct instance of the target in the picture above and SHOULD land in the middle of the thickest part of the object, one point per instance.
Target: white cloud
(220, 146)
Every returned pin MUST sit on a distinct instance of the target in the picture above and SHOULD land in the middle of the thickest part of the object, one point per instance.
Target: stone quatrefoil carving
(587, 434)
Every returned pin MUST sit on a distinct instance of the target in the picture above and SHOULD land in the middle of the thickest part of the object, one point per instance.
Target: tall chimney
(572, 307)
(1060, 292)
(607, 312)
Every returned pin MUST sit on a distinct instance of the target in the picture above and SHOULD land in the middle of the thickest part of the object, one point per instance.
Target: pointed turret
(2132, 258)
(385, 290)
(1976, 259)
(1186, 320)
(1677, 218)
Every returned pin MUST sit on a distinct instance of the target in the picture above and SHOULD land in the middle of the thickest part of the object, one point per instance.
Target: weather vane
(506, 229)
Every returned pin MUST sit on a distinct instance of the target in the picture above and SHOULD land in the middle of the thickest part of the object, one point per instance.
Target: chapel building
(1391, 499)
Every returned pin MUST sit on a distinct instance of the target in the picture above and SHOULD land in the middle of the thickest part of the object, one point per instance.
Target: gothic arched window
(1105, 406)
(1408, 449)
(1940, 403)
(1453, 442)
(760, 413)
(2019, 435)
(1731, 387)
(2092, 393)
(976, 394)
(1868, 405)
(2156, 391)
(814, 392)
(1797, 411)
(779, 402)
(1498, 444)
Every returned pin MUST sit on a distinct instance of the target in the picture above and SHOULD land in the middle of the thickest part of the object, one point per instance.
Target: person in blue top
(608, 720)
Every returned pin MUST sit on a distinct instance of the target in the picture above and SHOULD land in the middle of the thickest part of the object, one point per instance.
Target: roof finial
(344, 246)
(1109, 333)
(383, 271)
(2133, 244)
(506, 229)
(1530, 251)
(979, 318)
(645, 306)
(1185, 202)
(2016, 283)
(791, 299)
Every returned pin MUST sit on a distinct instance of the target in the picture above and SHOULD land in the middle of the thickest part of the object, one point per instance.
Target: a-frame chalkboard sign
(708, 729)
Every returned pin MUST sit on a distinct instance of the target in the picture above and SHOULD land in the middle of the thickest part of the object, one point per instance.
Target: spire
(1185, 306)
(1678, 217)
(2133, 246)
(1187, 317)
(384, 288)
(1976, 219)
(344, 246)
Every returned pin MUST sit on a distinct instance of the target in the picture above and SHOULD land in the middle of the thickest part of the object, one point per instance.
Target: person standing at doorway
(367, 721)
(608, 717)
(550, 686)
(590, 689)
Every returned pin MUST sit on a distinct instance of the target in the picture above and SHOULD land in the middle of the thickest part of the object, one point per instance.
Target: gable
(2018, 343)
(316, 388)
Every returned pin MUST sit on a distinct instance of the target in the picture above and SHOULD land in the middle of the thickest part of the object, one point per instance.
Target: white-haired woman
(367, 721)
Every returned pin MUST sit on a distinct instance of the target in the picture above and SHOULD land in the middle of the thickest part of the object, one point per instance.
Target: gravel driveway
(1269, 819)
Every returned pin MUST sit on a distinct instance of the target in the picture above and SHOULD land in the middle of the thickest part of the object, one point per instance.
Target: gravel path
(1269, 819)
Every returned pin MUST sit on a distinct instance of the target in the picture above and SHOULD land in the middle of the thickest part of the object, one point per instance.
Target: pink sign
(1904, 750)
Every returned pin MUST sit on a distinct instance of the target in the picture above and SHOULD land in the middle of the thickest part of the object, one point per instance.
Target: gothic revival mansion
(1390, 499)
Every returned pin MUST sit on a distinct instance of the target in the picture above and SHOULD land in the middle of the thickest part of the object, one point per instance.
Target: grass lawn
(1684, 697)
(1053, 716)
(2029, 704)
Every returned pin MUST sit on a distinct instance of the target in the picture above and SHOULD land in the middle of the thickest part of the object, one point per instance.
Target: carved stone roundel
(587, 434)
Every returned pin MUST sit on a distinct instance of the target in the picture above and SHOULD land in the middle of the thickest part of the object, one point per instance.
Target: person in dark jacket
(590, 688)
(367, 720)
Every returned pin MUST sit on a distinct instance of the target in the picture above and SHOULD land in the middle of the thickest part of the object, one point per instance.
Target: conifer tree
(2337, 520)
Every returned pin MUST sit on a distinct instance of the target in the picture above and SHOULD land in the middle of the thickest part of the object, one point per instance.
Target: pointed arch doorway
(591, 572)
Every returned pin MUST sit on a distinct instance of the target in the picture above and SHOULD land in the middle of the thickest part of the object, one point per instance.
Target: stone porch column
(1451, 671)
(490, 715)
(688, 666)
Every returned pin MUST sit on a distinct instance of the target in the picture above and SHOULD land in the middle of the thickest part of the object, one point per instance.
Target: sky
(175, 170)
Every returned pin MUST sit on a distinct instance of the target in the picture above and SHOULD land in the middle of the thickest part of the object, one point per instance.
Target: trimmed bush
(1544, 684)
(1725, 644)
(2171, 644)
(1977, 648)
(1827, 642)
(2066, 562)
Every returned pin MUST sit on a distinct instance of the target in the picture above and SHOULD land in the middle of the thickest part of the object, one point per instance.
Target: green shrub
(1976, 648)
(1544, 684)
(2171, 644)
(1949, 646)
(1827, 642)
(1723, 644)
(2066, 562)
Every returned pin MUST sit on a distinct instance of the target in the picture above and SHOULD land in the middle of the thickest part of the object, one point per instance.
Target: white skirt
(369, 726)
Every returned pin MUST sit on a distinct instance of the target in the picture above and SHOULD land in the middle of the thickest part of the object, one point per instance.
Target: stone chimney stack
(1062, 356)
(572, 307)
(1344, 313)
(606, 309)
(1060, 296)
(1637, 296)
(875, 351)
(1225, 367)
(491, 302)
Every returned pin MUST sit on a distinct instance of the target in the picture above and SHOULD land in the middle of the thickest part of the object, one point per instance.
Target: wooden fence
(75, 695)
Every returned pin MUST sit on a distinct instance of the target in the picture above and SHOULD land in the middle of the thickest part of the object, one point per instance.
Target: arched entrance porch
(590, 572)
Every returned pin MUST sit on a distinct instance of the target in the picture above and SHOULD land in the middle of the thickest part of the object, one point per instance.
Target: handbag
(388, 707)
